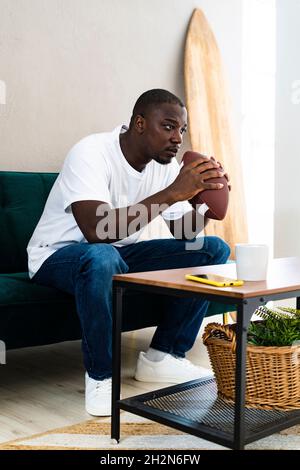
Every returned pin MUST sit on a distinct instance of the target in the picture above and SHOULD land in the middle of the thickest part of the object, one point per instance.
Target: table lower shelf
(195, 408)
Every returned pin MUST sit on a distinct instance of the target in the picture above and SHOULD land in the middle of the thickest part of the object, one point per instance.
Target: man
(89, 231)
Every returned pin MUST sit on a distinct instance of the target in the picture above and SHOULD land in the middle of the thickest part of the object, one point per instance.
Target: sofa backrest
(22, 200)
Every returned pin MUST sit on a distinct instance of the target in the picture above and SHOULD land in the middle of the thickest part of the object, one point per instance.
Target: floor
(42, 388)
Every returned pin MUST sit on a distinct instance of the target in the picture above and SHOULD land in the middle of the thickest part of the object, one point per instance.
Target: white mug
(251, 261)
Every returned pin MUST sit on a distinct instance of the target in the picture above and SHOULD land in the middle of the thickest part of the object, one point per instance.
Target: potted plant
(278, 328)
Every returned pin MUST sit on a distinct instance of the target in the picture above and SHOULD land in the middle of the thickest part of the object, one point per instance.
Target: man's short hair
(152, 98)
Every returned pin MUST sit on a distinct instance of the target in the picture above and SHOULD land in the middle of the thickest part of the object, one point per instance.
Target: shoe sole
(95, 412)
(172, 380)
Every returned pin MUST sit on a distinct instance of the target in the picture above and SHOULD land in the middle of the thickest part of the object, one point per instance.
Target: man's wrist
(170, 196)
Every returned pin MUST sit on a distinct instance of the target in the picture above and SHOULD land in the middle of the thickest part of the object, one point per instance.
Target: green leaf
(277, 328)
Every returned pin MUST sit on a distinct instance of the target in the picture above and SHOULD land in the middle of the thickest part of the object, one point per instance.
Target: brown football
(216, 199)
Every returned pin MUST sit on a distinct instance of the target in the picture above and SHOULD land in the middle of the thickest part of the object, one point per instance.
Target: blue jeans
(85, 270)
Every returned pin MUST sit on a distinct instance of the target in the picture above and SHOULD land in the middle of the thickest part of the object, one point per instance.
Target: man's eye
(169, 127)
(183, 130)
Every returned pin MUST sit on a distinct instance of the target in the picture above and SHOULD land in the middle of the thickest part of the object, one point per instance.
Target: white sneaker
(169, 370)
(98, 396)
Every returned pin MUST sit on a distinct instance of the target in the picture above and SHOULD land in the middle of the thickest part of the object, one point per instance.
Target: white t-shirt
(96, 169)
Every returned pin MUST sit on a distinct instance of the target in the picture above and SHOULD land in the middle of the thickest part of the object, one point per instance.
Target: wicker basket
(273, 373)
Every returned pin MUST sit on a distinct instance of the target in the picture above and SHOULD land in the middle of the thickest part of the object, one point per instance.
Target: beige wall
(74, 67)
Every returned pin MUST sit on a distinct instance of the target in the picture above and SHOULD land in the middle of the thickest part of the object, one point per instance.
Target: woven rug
(137, 433)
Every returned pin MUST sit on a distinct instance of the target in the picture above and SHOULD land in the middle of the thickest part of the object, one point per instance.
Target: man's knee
(219, 249)
(103, 257)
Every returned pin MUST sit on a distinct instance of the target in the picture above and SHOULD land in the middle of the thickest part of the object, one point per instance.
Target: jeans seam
(88, 350)
(91, 360)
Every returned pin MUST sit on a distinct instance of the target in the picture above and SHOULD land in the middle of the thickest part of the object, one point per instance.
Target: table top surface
(283, 276)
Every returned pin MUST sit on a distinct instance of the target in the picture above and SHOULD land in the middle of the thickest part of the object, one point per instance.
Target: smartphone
(214, 280)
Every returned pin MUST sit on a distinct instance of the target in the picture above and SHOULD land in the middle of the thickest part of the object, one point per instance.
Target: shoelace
(187, 363)
(105, 385)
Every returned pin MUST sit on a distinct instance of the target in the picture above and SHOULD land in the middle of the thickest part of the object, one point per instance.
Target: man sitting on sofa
(90, 227)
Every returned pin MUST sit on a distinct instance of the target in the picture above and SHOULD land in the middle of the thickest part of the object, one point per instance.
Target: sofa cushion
(18, 289)
(33, 315)
(22, 200)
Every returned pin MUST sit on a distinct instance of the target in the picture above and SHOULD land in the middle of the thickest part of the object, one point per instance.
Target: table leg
(116, 360)
(244, 314)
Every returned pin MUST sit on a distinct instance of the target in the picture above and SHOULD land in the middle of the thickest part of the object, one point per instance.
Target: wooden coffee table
(194, 407)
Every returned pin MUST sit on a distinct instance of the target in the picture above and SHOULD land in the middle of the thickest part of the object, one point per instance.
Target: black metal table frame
(245, 309)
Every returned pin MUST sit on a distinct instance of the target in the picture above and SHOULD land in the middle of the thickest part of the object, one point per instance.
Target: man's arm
(101, 224)
(188, 226)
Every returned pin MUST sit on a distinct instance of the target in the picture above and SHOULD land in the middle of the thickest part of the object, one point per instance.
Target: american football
(216, 199)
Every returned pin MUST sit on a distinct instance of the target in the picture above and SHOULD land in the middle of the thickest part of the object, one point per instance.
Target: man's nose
(177, 137)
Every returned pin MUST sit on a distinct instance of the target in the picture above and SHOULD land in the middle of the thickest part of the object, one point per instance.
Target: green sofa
(32, 315)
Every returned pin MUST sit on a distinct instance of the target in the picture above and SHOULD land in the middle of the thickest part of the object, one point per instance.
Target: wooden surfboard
(210, 123)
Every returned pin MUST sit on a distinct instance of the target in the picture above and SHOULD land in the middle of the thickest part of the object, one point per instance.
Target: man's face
(164, 127)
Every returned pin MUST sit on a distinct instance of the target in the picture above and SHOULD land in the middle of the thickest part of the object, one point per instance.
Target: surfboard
(210, 122)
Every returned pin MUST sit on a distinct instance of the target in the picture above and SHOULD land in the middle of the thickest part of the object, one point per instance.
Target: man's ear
(140, 123)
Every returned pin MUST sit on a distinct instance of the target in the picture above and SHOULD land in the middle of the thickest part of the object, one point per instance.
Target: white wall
(287, 147)
(258, 127)
(74, 67)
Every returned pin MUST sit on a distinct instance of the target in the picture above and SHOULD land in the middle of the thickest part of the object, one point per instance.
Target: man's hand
(225, 174)
(193, 177)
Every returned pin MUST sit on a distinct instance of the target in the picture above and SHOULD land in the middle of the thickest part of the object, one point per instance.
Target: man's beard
(161, 161)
